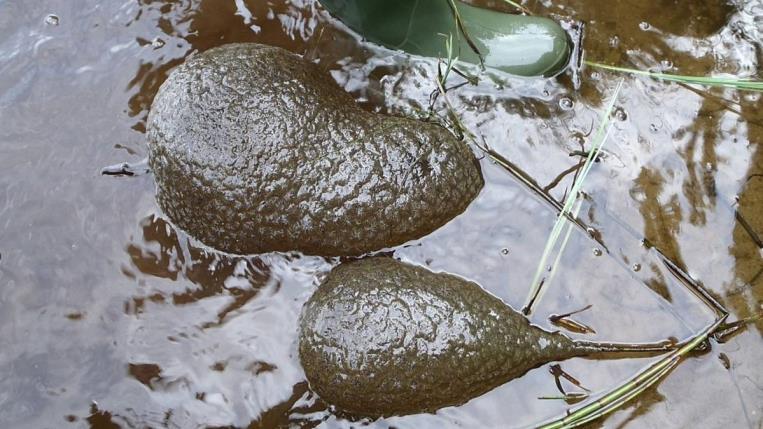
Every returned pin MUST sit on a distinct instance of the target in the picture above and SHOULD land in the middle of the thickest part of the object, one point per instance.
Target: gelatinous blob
(381, 337)
(255, 149)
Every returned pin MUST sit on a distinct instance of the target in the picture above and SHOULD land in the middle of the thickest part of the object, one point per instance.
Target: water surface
(109, 317)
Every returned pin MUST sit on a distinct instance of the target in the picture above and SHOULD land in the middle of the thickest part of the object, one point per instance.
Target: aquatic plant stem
(463, 32)
(524, 10)
(567, 234)
(598, 142)
(632, 388)
(743, 84)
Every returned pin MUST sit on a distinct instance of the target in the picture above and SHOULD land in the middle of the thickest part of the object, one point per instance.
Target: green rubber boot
(516, 44)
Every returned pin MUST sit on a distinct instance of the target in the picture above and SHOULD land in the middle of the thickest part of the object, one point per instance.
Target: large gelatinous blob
(255, 149)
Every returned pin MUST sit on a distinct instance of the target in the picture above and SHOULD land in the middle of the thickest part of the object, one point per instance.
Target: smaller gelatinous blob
(381, 337)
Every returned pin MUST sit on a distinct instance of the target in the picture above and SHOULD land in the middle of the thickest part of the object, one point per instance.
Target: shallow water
(111, 318)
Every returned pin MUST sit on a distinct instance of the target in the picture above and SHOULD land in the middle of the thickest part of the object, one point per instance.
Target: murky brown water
(111, 318)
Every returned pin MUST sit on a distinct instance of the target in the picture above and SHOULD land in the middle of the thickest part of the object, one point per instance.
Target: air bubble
(666, 64)
(52, 19)
(621, 115)
(505, 251)
(590, 231)
(566, 103)
(636, 267)
(614, 42)
(157, 43)
(597, 251)
(644, 25)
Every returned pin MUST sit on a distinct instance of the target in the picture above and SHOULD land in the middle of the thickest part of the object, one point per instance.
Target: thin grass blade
(598, 142)
(633, 387)
(737, 83)
(518, 6)
(567, 234)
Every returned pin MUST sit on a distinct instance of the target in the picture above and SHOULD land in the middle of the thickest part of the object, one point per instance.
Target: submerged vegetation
(632, 388)
(567, 217)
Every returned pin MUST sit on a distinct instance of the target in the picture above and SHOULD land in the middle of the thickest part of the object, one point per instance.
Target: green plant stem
(744, 84)
(567, 234)
(463, 32)
(518, 6)
(633, 387)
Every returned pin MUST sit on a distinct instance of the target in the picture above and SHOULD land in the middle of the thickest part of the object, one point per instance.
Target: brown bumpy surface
(380, 337)
(255, 149)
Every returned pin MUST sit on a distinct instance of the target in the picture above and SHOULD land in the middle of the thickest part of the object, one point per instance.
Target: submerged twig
(574, 169)
(557, 371)
(748, 229)
(570, 398)
(728, 330)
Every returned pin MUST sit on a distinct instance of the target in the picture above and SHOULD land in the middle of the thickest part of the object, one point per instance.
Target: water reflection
(161, 253)
(701, 159)
(745, 293)
(661, 211)
(216, 333)
(198, 25)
